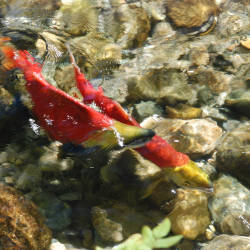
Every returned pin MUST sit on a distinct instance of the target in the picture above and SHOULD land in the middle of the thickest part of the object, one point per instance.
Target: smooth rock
(239, 101)
(29, 178)
(216, 81)
(72, 196)
(118, 221)
(214, 113)
(3, 157)
(163, 30)
(50, 161)
(56, 245)
(146, 109)
(183, 111)
(199, 56)
(233, 21)
(76, 17)
(161, 84)
(108, 229)
(99, 55)
(117, 90)
(182, 16)
(233, 152)
(196, 137)
(226, 242)
(190, 216)
(230, 206)
(126, 165)
(155, 9)
(131, 26)
(56, 212)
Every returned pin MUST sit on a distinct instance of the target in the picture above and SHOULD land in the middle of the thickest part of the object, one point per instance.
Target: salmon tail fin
(19, 59)
(8, 54)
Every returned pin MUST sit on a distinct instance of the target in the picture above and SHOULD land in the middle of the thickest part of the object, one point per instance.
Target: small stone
(246, 43)
(239, 100)
(155, 9)
(3, 157)
(56, 245)
(210, 232)
(230, 206)
(183, 111)
(9, 180)
(29, 178)
(65, 78)
(56, 212)
(233, 152)
(233, 24)
(163, 196)
(118, 221)
(214, 113)
(73, 196)
(132, 26)
(190, 216)
(108, 230)
(142, 173)
(146, 109)
(216, 81)
(163, 30)
(184, 16)
(76, 17)
(223, 242)
(100, 56)
(161, 84)
(199, 56)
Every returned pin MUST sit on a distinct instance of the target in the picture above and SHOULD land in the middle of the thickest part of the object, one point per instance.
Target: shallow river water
(180, 68)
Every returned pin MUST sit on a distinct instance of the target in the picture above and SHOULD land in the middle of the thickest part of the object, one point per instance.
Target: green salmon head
(189, 175)
(118, 136)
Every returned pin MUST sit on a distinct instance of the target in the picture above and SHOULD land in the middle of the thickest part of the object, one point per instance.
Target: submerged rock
(56, 212)
(99, 55)
(190, 216)
(188, 136)
(191, 15)
(143, 110)
(131, 175)
(130, 26)
(233, 152)
(230, 206)
(50, 161)
(161, 84)
(118, 221)
(199, 56)
(163, 30)
(76, 17)
(239, 100)
(183, 111)
(29, 178)
(21, 225)
(235, 20)
(216, 81)
(224, 241)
